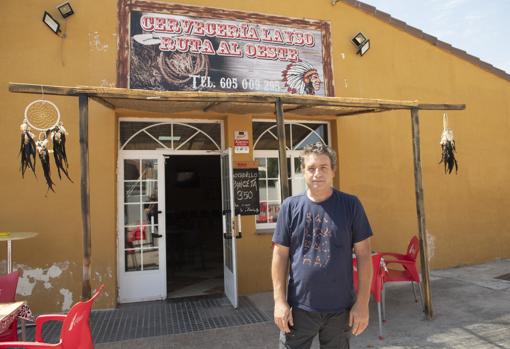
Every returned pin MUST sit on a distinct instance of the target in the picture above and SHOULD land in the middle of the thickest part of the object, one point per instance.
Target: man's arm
(279, 274)
(358, 318)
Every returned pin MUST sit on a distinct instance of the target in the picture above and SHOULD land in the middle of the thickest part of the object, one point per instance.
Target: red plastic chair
(408, 270)
(376, 287)
(75, 332)
(8, 285)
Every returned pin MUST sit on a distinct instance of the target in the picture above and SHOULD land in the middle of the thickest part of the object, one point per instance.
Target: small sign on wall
(241, 142)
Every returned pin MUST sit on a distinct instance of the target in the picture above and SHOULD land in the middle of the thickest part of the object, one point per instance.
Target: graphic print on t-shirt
(318, 232)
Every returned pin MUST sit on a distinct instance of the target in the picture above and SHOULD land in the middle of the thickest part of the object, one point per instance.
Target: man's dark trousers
(333, 329)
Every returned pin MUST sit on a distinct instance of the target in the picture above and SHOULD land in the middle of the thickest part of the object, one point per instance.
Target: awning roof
(237, 103)
(123, 99)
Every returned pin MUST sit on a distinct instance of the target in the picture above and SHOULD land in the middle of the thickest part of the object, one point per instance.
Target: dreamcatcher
(43, 116)
(448, 147)
(178, 68)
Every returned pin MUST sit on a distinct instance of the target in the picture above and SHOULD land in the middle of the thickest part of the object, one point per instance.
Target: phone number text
(231, 83)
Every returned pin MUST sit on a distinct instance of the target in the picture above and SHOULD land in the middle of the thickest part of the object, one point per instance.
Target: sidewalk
(471, 310)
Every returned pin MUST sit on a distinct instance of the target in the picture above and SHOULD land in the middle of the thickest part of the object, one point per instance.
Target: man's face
(318, 172)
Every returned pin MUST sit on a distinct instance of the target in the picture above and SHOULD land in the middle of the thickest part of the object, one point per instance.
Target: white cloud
(449, 4)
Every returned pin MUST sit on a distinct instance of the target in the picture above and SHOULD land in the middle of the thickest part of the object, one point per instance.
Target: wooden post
(85, 193)
(282, 154)
(420, 209)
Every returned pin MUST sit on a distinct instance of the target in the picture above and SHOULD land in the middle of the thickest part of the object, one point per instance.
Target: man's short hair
(318, 148)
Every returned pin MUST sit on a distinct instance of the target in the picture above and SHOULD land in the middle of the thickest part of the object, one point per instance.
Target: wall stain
(95, 43)
(431, 245)
(106, 83)
(68, 299)
(30, 277)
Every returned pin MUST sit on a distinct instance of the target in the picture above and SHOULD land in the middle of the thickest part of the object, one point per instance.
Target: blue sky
(479, 27)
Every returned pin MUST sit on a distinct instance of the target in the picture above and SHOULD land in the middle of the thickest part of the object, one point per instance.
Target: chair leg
(414, 292)
(383, 296)
(380, 321)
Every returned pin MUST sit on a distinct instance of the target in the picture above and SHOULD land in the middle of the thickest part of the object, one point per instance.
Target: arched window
(172, 135)
(298, 135)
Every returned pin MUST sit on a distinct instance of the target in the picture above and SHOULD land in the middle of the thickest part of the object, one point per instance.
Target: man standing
(315, 235)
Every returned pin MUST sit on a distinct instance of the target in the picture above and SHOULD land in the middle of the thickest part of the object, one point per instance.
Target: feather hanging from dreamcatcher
(44, 156)
(27, 151)
(448, 149)
(58, 138)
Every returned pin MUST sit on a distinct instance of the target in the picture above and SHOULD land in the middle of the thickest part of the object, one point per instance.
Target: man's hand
(283, 316)
(358, 318)
(279, 273)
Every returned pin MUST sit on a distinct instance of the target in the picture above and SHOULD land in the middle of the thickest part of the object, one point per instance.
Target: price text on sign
(246, 191)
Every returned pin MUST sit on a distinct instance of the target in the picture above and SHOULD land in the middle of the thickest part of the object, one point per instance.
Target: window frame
(154, 123)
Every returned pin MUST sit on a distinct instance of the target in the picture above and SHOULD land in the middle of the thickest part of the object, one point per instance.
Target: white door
(141, 237)
(229, 233)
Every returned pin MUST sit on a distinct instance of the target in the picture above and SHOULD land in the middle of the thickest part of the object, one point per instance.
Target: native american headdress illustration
(301, 77)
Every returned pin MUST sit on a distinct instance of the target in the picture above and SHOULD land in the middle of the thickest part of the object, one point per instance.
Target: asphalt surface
(471, 310)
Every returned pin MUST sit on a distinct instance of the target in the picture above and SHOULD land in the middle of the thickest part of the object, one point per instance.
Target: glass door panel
(229, 231)
(142, 268)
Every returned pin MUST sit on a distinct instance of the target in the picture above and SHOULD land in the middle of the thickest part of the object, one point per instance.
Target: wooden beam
(209, 106)
(299, 107)
(429, 106)
(282, 153)
(103, 102)
(47, 89)
(85, 193)
(366, 111)
(117, 98)
(199, 96)
(420, 209)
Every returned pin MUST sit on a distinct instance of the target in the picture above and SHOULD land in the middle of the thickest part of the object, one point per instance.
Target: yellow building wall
(465, 213)
(52, 261)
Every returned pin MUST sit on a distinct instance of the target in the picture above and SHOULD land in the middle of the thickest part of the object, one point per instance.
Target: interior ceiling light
(361, 42)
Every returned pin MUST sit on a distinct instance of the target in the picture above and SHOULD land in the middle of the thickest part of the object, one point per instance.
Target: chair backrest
(413, 248)
(8, 285)
(75, 332)
(377, 277)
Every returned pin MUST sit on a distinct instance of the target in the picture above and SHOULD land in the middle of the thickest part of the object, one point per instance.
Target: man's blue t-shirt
(320, 237)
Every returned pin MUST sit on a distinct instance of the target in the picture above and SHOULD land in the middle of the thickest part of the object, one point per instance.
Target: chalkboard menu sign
(246, 191)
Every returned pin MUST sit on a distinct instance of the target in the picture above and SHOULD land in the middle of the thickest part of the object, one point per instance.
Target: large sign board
(184, 48)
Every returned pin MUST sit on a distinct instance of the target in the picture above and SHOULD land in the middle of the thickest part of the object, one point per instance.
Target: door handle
(229, 236)
(156, 236)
